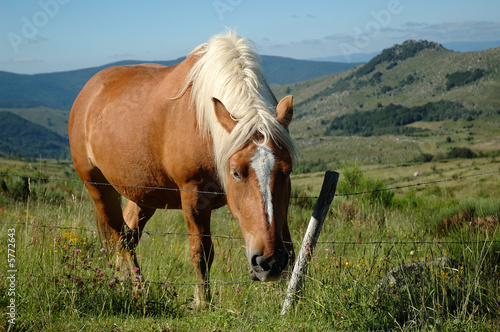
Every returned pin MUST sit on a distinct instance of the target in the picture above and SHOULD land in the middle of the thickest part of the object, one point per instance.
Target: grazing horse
(194, 136)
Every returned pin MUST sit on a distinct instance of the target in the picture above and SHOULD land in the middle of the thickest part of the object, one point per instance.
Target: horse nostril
(255, 260)
(265, 263)
(268, 268)
(262, 262)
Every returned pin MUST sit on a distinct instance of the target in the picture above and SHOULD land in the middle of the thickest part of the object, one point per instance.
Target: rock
(411, 274)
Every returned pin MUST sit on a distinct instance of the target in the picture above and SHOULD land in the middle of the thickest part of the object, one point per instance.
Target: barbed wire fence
(222, 193)
(227, 237)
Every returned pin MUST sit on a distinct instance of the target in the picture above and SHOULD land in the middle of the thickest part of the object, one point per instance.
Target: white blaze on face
(263, 164)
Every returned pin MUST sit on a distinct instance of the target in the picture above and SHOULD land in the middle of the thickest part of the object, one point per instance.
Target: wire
(221, 193)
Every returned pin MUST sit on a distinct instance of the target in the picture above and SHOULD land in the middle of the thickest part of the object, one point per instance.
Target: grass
(64, 280)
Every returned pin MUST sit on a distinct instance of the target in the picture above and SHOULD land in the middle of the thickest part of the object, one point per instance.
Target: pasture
(446, 232)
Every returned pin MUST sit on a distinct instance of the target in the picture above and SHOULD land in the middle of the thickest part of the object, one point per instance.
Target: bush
(461, 153)
(461, 78)
(352, 181)
(21, 184)
(424, 158)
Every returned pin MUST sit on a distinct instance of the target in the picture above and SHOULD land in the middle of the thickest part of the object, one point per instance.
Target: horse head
(258, 193)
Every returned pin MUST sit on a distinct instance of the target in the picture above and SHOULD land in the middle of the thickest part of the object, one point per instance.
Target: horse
(193, 136)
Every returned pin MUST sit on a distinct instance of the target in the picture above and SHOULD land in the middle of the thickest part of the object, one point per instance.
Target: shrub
(353, 181)
(461, 78)
(393, 118)
(463, 153)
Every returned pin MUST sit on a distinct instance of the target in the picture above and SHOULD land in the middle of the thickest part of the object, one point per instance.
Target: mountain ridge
(58, 90)
(455, 46)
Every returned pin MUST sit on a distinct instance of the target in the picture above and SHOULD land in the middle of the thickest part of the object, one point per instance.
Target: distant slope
(54, 120)
(413, 99)
(453, 46)
(59, 90)
(19, 137)
(55, 90)
(410, 74)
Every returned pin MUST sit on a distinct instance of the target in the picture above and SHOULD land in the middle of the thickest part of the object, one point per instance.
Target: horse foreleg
(197, 216)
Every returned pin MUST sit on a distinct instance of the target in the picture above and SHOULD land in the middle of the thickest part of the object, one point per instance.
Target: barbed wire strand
(240, 238)
(419, 184)
(222, 193)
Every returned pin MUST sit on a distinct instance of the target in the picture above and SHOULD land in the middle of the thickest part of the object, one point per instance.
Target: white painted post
(310, 238)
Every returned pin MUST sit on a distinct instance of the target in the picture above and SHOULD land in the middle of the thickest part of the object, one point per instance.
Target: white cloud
(338, 37)
(125, 55)
(20, 61)
(456, 31)
(444, 32)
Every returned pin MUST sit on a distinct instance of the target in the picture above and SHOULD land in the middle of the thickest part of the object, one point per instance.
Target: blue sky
(55, 35)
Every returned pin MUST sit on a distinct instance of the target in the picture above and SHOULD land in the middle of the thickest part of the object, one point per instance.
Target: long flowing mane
(229, 69)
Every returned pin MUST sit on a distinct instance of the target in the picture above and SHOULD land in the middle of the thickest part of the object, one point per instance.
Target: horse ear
(284, 111)
(223, 115)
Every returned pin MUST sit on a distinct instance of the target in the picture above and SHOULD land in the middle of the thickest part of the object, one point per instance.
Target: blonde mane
(229, 69)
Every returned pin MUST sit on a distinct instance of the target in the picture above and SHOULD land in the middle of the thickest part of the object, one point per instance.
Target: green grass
(363, 239)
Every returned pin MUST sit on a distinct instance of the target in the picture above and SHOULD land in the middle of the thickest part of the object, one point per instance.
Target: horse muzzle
(268, 268)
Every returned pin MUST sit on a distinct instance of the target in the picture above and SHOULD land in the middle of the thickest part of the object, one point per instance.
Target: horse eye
(236, 175)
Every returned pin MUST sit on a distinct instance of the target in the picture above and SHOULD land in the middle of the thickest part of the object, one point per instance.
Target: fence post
(310, 238)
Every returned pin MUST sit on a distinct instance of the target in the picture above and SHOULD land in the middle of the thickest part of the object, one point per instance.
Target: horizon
(359, 58)
(63, 35)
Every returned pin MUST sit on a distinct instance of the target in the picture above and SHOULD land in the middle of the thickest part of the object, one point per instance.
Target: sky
(39, 36)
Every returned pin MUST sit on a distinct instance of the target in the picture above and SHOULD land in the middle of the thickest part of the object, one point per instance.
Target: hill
(411, 100)
(59, 90)
(19, 137)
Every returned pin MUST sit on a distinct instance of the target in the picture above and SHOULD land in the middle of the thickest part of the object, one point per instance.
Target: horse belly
(132, 164)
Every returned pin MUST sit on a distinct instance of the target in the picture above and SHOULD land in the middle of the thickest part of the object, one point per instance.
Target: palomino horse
(209, 124)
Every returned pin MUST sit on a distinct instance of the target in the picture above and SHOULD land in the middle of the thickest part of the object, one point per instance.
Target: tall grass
(390, 260)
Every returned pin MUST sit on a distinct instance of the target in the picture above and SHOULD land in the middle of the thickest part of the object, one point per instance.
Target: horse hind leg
(135, 217)
(109, 218)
